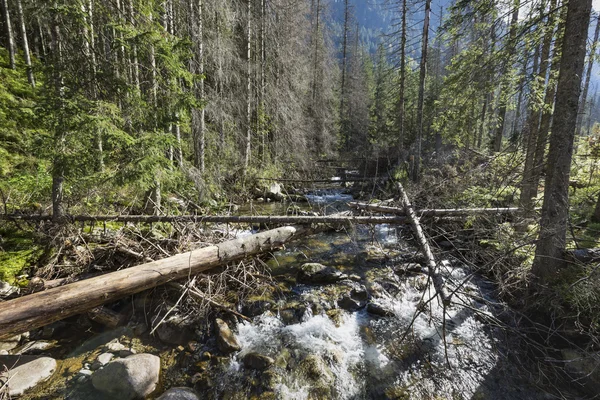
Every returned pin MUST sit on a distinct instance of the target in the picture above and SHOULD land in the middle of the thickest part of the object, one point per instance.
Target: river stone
(257, 361)
(128, 378)
(583, 367)
(6, 289)
(359, 293)
(349, 304)
(318, 273)
(26, 375)
(10, 343)
(175, 330)
(226, 340)
(114, 346)
(274, 192)
(179, 393)
(36, 347)
(379, 310)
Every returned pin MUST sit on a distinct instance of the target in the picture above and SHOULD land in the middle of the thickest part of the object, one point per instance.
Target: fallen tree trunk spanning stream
(42, 308)
(437, 280)
(433, 212)
(252, 219)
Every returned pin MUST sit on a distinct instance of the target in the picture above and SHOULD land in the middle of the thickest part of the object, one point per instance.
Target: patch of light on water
(328, 197)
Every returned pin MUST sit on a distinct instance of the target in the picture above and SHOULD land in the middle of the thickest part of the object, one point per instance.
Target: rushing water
(420, 351)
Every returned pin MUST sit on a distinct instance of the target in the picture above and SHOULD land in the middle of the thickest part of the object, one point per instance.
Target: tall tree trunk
(134, 52)
(58, 164)
(505, 80)
(343, 114)
(402, 78)
(538, 139)
(544, 129)
(549, 255)
(588, 76)
(422, 74)
(26, 52)
(248, 141)
(199, 113)
(10, 41)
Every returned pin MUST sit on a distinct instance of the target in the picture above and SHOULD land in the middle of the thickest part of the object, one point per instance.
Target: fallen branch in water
(437, 280)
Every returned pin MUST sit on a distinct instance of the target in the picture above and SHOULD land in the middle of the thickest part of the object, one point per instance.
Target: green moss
(19, 252)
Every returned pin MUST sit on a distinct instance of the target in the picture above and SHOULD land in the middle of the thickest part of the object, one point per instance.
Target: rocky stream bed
(348, 315)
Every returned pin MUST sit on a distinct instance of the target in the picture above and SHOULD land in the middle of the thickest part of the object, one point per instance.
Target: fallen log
(344, 180)
(42, 308)
(251, 219)
(433, 212)
(437, 280)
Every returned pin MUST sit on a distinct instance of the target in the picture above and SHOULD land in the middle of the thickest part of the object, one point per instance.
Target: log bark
(438, 283)
(39, 309)
(250, 219)
(434, 212)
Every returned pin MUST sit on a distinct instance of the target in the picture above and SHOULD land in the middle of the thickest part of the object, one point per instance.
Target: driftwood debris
(443, 212)
(250, 219)
(437, 280)
(42, 308)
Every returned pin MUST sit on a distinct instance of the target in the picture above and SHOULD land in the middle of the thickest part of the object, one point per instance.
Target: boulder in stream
(179, 393)
(24, 373)
(226, 340)
(127, 378)
(257, 361)
(379, 310)
(316, 273)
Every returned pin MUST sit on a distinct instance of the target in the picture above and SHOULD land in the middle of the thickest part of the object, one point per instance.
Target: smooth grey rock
(28, 374)
(257, 361)
(114, 346)
(226, 340)
(316, 273)
(6, 289)
(105, 358)
(179, 393)
(128, 378)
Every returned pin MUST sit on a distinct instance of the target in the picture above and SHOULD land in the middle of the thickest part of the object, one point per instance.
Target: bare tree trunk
(530, 130)
(549, 255)
(505, 83)
(134, 53)
(422, 74)
(9, 34)
(544, 130)
(58, 167)
(199, 113)
(588, 76)
(343, 116)
(402, 78)
(26, 52)
(530, 189)
(248, 140)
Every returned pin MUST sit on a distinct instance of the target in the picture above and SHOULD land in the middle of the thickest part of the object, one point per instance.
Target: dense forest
(150, 117)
